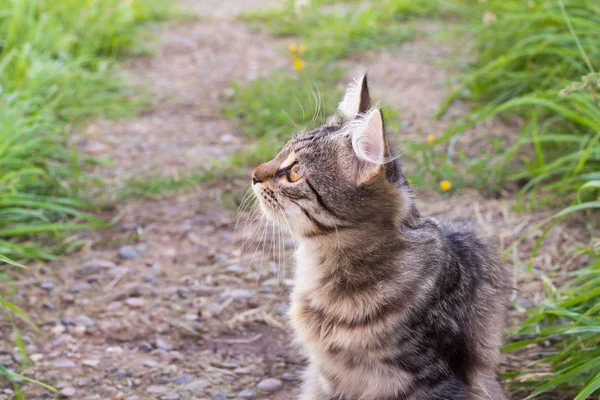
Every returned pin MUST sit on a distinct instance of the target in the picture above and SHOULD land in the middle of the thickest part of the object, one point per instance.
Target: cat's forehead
(315, 137)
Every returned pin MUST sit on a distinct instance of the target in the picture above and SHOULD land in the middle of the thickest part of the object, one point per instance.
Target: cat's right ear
(357, 100)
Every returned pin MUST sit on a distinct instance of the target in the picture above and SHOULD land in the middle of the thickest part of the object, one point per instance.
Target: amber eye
(296, 173)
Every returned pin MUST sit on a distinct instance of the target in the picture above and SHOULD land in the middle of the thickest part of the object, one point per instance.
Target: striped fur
(388, 304)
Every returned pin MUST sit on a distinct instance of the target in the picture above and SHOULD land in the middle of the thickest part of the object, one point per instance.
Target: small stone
(236, 269)
(68, 392)
(145, 347)
(172, 396)
(67, 298)
(58, 329)
(219, 396)
(270, 385)
(158, 389)
(84, 320)
(82, 382)
(93, 267)
(135, 302)
(128, 253)
(91, 362)
(36, 357)
(68, 321)
(246, 394)
(149, 278)
(63, 363)
(242, 370)
(47, 305)
(79, 331)
(134, 397)
(161, 344)
(288, 376)
(79, 287)
(150, 363)
(197, 386)
(241, 294)
(47, 285)
(113, 350)
(525, 303)
(119, 396)
(183, 378)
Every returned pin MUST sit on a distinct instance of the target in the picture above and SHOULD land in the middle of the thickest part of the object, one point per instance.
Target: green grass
(522, 63)
(56, 71)
(565, 329)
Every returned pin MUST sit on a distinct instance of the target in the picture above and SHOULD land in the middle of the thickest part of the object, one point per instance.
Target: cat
(388, 304)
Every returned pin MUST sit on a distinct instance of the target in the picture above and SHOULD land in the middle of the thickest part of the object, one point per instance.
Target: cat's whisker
(262, 256)
(318, 104)
(258, 245)
(246, 201)
(256, 224)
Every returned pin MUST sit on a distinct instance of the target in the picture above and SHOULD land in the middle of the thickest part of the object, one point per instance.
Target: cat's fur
(389, 304)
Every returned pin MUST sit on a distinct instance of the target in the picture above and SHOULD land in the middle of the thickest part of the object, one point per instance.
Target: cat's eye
(295, 173)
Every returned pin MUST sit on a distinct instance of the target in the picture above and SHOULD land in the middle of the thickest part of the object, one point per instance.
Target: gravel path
(172, 303)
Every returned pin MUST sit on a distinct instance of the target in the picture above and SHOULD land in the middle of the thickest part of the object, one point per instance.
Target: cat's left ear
(357, 100)
(370, 146)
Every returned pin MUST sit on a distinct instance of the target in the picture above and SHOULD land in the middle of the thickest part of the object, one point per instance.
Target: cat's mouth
(268, 202)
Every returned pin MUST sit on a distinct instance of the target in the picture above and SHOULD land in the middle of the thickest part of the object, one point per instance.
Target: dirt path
(176, 314)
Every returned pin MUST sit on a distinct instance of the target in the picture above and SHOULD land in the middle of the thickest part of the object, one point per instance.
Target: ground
(174, 301)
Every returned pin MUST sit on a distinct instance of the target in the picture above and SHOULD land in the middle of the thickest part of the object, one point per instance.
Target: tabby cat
(387, 303)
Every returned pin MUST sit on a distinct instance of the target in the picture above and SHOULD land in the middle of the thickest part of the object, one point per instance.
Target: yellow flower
(445, 185)
(430, 138)
(293, 48)
(298, 64)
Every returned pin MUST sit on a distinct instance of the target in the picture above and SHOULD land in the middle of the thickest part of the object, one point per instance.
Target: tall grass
(526, 52)
(56, 63)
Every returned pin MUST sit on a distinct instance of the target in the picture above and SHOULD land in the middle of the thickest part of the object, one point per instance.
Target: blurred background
(133, 262)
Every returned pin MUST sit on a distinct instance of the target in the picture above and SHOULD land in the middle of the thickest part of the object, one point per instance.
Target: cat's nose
(257, 177)
(262, 173)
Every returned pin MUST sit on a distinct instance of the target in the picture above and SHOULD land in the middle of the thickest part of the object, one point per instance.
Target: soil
(185, 297)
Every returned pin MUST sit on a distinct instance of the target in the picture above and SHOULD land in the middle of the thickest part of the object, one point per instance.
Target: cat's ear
(356, 100)
(370, 146)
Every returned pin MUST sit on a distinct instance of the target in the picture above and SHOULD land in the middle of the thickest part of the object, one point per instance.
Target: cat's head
(341, 175)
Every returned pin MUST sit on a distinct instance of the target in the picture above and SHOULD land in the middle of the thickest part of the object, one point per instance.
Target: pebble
(36, 357)
(91, 362)
(172, 396)
(128, 253)
(525, 303)
(219, 396)
(183, 378)
(270, 385)
(241, 294)
(79, 331)
(93, 267)
(48, 306)
(159, 389)
(197, 386)
(134, 397)
(135, 302)
(236, 269)
(145, 347)
(84, 320)
(47, 285)
(161, 344)
(242, 370)
(63, 363)
(79, 287)
(150, 363)
(246, 394)
(149, 278)
(288, 376)
(68, 392)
